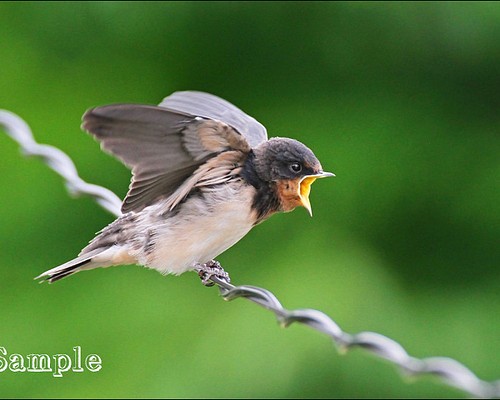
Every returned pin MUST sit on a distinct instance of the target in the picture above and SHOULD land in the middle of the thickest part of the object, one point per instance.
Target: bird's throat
(288, 192)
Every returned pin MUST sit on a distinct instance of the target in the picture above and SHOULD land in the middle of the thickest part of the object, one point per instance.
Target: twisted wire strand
(59, 161)
(447, 370)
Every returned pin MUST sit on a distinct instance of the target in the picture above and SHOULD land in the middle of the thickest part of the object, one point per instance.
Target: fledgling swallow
(203, 174)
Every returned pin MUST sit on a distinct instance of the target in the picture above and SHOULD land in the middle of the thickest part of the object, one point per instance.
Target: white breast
(197, 233)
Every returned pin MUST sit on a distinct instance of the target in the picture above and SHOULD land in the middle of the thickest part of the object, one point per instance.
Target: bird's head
(291, 167)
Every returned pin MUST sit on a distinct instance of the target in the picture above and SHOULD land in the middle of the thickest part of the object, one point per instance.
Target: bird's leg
(210, 269)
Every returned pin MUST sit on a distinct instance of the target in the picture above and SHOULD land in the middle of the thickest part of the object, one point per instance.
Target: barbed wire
(448, 370)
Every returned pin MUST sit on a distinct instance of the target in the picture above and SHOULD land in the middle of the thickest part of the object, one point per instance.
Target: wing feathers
(219, 169)
(165, 146)
(212, 107)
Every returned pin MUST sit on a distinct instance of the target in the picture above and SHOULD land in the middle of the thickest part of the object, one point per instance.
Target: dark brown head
(287, 168)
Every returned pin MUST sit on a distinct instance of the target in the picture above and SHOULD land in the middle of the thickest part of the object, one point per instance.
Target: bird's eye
(296, 167)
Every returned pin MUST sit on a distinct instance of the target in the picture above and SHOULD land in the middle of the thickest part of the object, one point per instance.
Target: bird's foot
(210, 269)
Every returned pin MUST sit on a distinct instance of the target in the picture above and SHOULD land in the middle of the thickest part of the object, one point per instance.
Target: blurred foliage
(400, 100)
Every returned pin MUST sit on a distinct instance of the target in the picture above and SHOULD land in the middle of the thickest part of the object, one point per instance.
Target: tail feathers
(82, 262)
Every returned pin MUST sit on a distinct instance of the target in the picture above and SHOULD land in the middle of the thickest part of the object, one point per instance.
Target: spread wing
(165, 145)
(212, 107)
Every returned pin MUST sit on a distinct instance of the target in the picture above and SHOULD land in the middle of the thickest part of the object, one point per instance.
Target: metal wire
(449, 371)
(59, 161)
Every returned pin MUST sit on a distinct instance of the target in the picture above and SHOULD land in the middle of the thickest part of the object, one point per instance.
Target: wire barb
(449, 371)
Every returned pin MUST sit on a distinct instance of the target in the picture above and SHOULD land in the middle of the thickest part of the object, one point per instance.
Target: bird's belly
(202, 229)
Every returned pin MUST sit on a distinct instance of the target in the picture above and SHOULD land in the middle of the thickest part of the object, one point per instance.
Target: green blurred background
(400, 100)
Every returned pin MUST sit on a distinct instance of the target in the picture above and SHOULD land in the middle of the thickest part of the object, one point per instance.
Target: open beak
(305, 188)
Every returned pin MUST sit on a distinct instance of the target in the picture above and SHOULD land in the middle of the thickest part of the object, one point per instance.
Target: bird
(204, 173)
